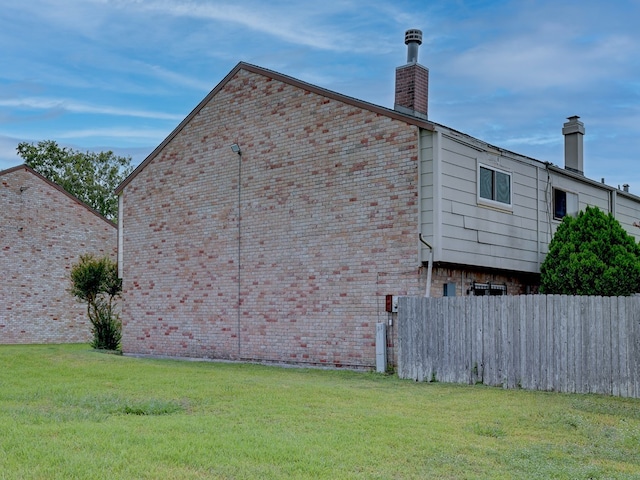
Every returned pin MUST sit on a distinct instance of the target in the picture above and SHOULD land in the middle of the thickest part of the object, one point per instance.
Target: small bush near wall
(96, 282)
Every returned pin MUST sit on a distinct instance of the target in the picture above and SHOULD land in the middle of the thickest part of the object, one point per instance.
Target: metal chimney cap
(413, 35)
(573, 126)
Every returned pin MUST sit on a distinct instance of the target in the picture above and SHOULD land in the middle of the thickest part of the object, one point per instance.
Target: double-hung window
(494, 186)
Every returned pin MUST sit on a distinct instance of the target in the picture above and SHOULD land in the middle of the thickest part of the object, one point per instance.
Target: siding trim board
(421, 161)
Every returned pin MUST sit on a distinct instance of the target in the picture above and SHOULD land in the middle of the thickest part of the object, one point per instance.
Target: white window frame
(488, 201)
(571, 212)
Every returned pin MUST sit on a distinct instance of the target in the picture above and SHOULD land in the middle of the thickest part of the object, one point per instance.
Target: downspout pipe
(236, 149)
(427, 292)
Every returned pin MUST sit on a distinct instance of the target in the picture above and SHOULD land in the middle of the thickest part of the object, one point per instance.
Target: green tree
(96, 282)
(91, 177)
(591, 254)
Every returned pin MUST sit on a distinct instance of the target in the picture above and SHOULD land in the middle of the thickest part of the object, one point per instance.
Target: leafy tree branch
(91, 177)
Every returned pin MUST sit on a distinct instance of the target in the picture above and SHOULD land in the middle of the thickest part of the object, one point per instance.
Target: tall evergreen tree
(591, 254)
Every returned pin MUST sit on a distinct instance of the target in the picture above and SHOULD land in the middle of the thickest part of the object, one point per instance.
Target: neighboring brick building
(43, 231)
(275, 218)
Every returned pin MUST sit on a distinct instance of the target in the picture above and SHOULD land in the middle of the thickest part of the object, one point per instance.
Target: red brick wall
(328, 202)
(42, 233)
(412, 88)
(464, 277)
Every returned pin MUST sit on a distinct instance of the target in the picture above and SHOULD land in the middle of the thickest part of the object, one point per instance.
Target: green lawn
(67, 412)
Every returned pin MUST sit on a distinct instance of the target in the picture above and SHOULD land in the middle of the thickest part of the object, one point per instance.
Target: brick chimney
(573, 131)
(412, 80)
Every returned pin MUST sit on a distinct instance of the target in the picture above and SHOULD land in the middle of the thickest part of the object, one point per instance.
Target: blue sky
(120, 75)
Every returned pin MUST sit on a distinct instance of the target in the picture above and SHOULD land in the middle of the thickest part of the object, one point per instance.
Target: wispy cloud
(142, 134)
(542, 45)
(314, 25)
(65, 105)
(117, 73)
(532, 140)
(173, 78)
(540, 61)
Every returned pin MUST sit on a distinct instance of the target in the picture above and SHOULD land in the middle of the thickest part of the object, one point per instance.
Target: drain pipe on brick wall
(427, 292)
(236, 149)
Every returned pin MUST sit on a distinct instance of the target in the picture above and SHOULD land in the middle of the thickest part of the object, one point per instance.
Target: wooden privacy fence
(539, 342)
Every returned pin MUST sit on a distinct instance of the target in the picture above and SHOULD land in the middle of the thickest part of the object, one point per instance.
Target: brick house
(43, 231)
(273, 221)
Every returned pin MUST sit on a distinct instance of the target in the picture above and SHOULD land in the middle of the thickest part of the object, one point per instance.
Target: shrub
(96, 282)
(591, 254)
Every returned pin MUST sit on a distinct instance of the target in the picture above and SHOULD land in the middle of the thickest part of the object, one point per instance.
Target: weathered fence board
(538, 342)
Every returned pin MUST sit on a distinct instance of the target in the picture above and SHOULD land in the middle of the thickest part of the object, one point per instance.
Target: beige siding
(481, 235)
(470, 232)
(625, 207)
(628, 213)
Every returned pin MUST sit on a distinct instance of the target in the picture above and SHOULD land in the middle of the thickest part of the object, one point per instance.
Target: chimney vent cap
(413, 35)
(573, 126)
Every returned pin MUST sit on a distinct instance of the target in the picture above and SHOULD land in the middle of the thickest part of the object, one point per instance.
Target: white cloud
(173, 77)
(506, 71)
(143, 134)
(317, 25)
(538, 61)
(40, 103)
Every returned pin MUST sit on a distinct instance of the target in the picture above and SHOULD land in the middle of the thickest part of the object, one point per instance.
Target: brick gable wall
(42, 234)
(328, 211)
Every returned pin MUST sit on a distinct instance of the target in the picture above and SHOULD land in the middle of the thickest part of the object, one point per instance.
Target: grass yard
(67, 412)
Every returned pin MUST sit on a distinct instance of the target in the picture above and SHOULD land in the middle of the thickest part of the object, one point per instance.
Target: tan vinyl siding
(473, 233)
(627, 213)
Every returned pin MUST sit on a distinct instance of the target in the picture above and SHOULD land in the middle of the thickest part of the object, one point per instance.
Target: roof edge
(27, 168)
(590, 181)
(282, 78)
(177, 130)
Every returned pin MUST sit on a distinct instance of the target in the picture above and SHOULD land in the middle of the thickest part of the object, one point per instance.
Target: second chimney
(573, 131)
(412, 80)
